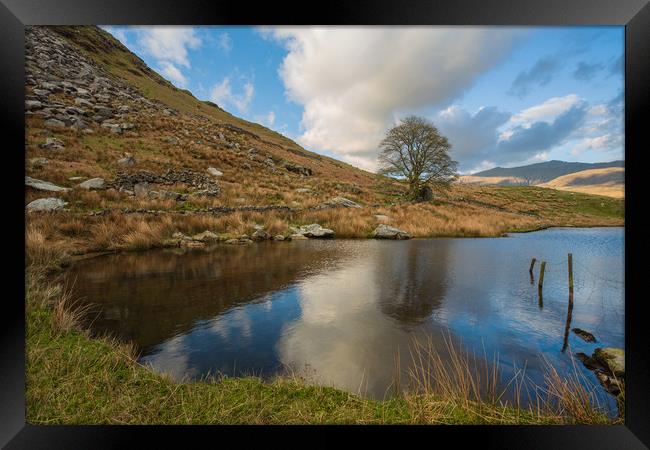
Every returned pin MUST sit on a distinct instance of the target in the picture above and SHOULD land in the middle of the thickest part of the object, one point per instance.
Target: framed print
(419, 215)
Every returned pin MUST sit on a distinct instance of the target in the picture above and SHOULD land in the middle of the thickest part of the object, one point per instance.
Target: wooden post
(570, 278)
(540, 283)
(570, 309)
(530, 271)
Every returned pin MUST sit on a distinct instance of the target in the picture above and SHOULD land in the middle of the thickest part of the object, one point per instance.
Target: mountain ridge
(543, 172)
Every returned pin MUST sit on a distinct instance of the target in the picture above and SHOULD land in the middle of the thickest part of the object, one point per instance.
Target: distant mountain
(546, 171)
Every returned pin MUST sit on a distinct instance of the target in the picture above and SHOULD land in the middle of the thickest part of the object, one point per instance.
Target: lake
(342, 312)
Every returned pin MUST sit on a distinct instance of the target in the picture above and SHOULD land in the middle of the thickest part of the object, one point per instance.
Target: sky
(503, 96)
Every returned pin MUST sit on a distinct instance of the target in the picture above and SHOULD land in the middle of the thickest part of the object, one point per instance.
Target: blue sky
(502, 95)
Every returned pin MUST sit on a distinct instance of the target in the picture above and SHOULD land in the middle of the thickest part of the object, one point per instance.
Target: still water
(341, 311)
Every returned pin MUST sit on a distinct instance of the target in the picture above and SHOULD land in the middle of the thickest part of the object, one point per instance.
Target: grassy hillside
(179, 132)
(609, 182)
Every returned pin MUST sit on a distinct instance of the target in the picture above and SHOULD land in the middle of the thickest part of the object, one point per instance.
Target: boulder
(338, 202)
(53, 144)
(128, 160)
(384, 231)
(44, 185)
(240, 241)
(141, 189)
(83, 102)
(298, 237)
(585, 335)
(613, 385)
(54, 123)
(304, 171)
(260, 235)
(191, 244)
(589, 362)
(214, 172)
(39, 161)
(180, 236)
(46, 204)
(32, 104)
(93, 183)
(424, 194)
(278, 237)
(612, 358)
(206, 236)
(314, 231)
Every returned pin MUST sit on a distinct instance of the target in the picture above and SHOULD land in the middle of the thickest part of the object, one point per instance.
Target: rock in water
(93, 183)
(585, 335)
(612, 358)
(44, 185)
(588, 362)
(314, 231)
(384, 231)
(260, 235)
(46, 204)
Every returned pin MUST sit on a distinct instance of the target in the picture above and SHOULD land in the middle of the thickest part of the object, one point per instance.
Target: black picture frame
(633, 14)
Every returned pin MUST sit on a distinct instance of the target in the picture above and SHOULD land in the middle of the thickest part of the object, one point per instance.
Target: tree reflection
(412, 279)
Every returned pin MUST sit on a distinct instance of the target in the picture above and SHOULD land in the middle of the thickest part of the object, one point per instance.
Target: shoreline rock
(384, 231)
(313, 230)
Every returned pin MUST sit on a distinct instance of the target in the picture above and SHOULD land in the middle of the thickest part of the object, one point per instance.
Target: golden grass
(452, 376)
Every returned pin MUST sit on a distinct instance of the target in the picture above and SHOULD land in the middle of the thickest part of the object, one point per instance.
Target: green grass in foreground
(75, 379)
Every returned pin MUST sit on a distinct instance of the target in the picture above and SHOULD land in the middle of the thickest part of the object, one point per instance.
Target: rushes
(452, 378)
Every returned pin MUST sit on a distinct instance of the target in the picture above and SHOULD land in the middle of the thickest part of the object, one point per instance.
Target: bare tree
(416, 151)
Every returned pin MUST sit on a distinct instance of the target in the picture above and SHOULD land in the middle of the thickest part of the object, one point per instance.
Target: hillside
(546, 171)
(126, 160)
(491, 181)
(609, 182)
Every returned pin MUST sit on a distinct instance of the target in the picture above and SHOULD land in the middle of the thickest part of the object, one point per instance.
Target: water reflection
(343, 312)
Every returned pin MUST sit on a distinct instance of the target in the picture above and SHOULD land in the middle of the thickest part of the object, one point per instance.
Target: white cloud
(546, 111)
(598, 143)
(354, 82)
(224, 42)
(173, 73)
(168, 43)
(222, 94)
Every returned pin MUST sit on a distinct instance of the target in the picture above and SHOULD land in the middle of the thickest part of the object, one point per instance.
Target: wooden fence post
(570, 278)
(540, 283)
(530, 271)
